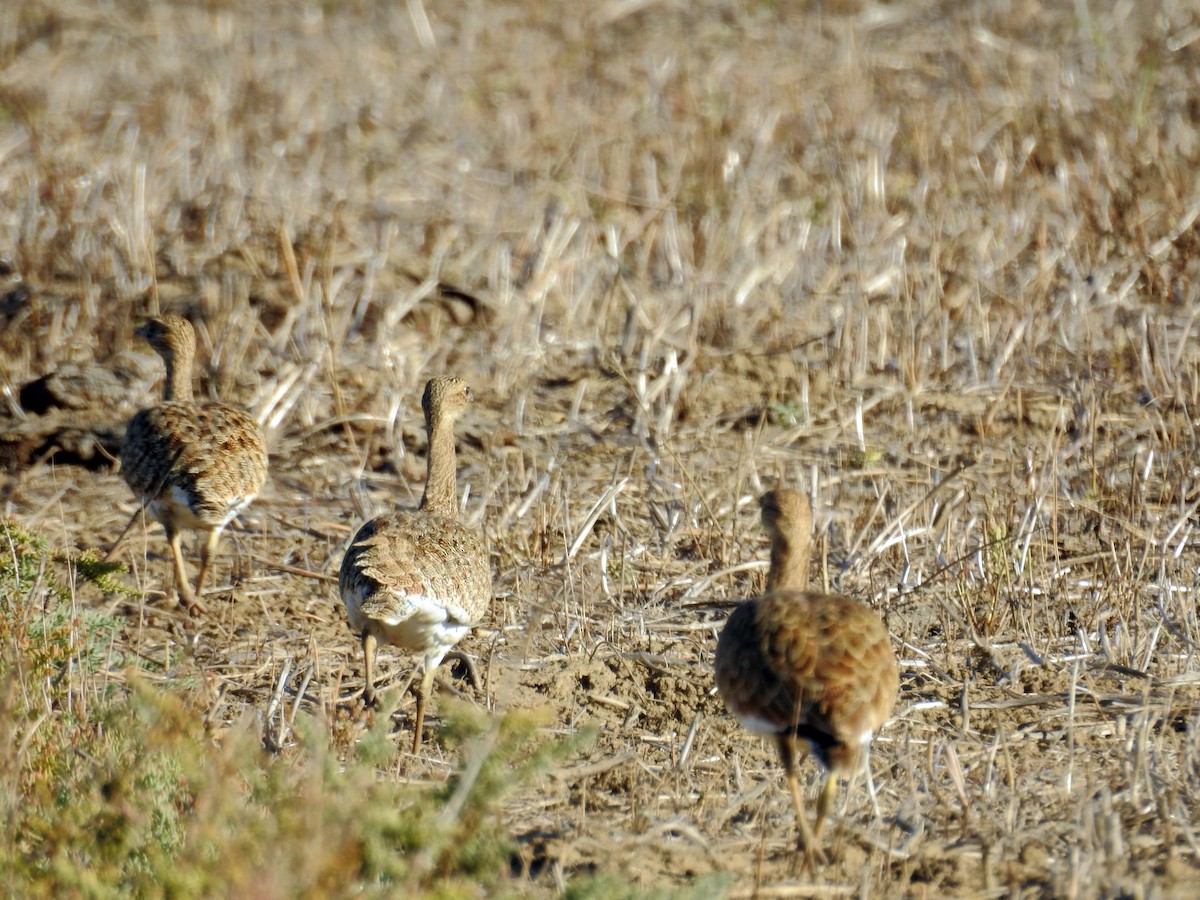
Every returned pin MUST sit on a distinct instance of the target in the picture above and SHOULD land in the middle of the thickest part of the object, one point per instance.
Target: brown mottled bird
(192, 465)
(797, 663)
(420, 580)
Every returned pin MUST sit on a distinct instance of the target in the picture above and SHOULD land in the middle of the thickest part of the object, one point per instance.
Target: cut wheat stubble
(801, 664)
(193, 466)
(420, 580)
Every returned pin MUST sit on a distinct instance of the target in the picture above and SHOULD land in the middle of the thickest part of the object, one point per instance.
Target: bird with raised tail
(193, 466)
(798, 664)
(420, 580)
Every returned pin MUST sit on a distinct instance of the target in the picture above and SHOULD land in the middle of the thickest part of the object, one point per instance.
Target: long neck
(178, 387)
(789, 563)
(439, 496)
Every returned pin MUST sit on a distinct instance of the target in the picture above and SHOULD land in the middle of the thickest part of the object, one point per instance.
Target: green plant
(111, 786)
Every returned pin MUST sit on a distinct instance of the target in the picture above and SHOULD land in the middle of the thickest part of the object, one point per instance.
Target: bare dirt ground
(935, 261)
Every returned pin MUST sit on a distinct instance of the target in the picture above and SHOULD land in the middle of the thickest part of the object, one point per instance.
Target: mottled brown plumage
(420, 580)
(797, 663)
(193, 465)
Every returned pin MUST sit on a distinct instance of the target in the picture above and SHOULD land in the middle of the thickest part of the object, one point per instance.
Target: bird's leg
(472, 672)
(153, 492)
(186, 595)
(786, 744)
(368, 645)
(210, 546)
(121, 537)
(422, 696)
(825, 800)
(866, 767)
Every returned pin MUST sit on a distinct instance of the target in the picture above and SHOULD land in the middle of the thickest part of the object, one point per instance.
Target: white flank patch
(173, 506)
(757, 725)
(420, 624)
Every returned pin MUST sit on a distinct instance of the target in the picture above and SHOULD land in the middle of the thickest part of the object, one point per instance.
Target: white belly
(172, 506)
(414, 622)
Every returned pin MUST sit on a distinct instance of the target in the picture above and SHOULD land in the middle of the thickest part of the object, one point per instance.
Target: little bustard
(191, 465)
(420, 580)
(797, 663)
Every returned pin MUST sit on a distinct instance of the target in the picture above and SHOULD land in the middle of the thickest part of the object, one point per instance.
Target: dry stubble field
(933, 260)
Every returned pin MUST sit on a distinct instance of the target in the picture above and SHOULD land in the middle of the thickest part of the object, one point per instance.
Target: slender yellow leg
(825, 801)
(210, 546)
(186, 595)
(472, 671)
(121, 537)
(808, 840)
(422, 697)
(368, 645)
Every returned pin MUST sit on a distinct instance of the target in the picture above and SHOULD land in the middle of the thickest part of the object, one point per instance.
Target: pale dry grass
(935, 259)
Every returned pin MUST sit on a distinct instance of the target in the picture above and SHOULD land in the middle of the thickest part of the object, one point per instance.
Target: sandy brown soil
(1005, 753)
